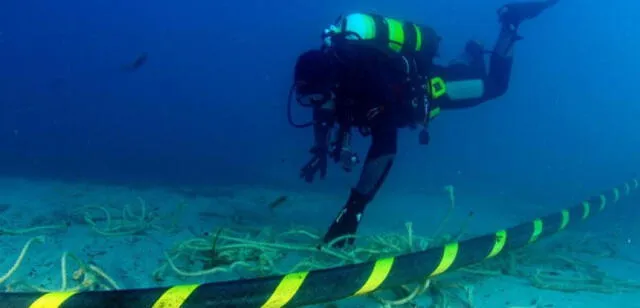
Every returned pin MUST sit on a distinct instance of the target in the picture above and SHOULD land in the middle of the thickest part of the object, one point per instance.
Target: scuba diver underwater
(376, 75)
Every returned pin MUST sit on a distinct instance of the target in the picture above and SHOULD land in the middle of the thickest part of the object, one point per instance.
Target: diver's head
(314, 77)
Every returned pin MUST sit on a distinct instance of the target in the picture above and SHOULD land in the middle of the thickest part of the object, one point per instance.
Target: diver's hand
(345, 157)
(514, 13)
(317, 163)
(474, 49)
(348, 159)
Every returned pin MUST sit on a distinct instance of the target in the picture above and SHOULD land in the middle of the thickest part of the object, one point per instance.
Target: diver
(375, 75)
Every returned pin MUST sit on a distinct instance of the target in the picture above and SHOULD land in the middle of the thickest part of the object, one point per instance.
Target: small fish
(4, 207)
(279, 201)
(136, 64)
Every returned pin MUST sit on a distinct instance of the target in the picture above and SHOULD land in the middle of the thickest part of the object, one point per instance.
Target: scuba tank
(388, 35)
(354, 35)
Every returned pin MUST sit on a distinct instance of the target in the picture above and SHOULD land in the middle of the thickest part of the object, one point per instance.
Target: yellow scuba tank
(415, 44)
(385, 33)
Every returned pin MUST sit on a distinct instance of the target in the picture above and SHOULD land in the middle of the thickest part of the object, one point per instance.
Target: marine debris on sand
(238, 251)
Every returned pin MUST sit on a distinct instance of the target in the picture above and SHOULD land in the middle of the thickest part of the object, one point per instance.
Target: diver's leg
(468, 82)
(376, 167)
(511, 16)
(501, 62)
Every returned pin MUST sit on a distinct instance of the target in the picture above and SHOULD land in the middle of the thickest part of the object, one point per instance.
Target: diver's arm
(341, 150)
(468, 84)
(323, 121)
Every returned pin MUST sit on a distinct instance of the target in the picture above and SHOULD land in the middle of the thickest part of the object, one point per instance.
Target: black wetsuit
(372, 94)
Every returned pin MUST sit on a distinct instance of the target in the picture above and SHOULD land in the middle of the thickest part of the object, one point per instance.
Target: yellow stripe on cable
(586, 209)
(379, 273)
(537, 230)
(603, 202)
(566, 217)
(52, 300)
(498, 245)
(175, 296)
(449, 254)
(418, 37)
(286, 289)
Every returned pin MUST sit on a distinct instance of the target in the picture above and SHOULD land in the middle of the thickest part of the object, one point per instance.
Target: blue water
(209, 105)
(208, 109)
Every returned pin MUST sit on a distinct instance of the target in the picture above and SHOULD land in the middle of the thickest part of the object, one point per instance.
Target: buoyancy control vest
(417, 45)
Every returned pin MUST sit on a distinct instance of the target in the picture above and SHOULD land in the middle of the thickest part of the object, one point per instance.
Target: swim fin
(516, 12)
(348, 220)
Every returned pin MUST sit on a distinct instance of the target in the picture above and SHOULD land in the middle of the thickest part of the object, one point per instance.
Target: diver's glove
(514, 13)
(341, 152)
(348, 159)
(317, 163)
(473, 55)
(347, 221)
(345, 157)
(475, 49)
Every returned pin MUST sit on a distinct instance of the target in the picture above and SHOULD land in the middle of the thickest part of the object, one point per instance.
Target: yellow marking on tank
(396, 34)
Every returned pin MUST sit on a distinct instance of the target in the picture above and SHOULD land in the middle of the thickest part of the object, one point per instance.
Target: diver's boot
(511, 15)
(503, 49)
(347, 221)
(515, 13)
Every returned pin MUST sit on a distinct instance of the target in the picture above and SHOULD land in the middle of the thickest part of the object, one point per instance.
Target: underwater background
(208, 106)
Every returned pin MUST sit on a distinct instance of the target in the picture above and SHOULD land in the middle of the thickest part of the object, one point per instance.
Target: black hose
(289, 116)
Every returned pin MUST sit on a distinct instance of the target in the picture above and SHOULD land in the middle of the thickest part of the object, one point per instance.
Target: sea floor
(108, 237)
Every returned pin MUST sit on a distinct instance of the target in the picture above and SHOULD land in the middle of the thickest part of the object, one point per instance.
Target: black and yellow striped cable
(304, 288)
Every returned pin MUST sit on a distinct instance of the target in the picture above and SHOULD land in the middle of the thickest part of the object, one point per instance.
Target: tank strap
(410, 38)
(382, 30)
